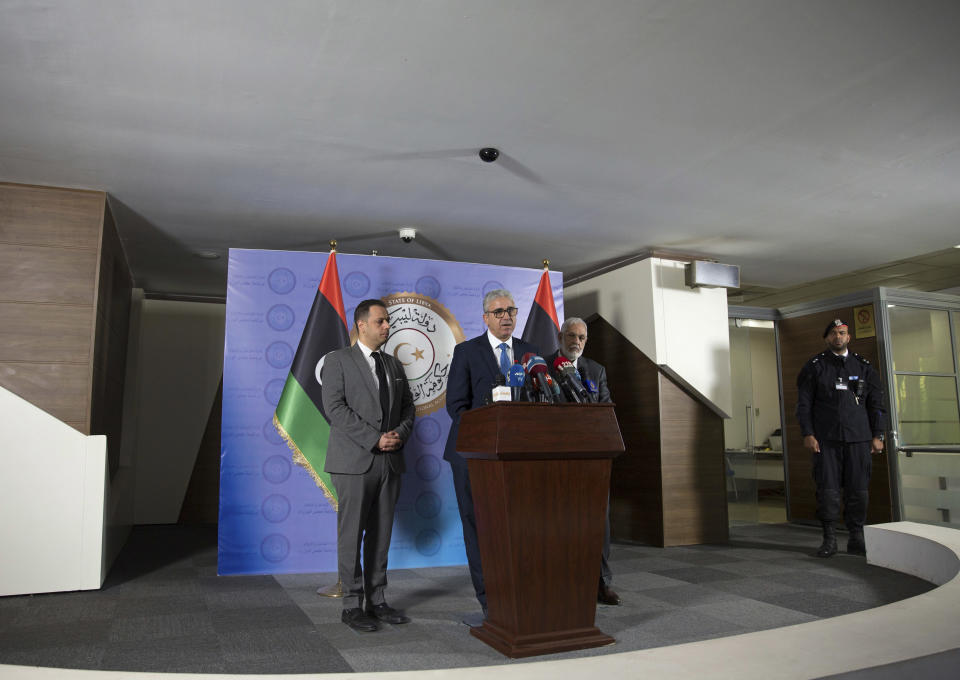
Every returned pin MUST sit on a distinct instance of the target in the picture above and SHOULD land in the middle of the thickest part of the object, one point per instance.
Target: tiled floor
(164, 609)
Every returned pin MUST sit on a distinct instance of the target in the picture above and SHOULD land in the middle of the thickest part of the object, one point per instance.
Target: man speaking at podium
(474, 369)
(573, 339)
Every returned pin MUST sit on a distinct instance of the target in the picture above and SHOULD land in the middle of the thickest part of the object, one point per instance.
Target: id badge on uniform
(840, 384)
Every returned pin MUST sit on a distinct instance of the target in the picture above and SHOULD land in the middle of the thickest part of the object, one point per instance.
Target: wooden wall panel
(669, 488)
(45, 216)
(635, 489)
(114, 289)
(60, 389)
(64, 305)
(692, 469)
(44, 333)
(48, 275)
(800, 339)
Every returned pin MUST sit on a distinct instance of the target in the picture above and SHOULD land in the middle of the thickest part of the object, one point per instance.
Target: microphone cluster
(529, 379)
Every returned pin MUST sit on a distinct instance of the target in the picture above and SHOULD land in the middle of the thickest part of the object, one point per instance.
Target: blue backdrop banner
(273, 517)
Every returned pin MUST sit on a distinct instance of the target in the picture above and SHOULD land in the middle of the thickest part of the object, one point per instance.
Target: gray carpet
(163, 608)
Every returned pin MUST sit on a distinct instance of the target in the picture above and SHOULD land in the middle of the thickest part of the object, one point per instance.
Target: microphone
(571, 386)
(537, 370)
(500, 390)
(591, 389)
(554, 387)
(590, 397)
(515, 380)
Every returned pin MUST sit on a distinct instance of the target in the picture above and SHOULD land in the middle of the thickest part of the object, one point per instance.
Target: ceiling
(799, 140)
(936, 271)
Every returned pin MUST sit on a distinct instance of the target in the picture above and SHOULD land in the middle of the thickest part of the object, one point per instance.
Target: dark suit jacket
(589, 370)
(351, 401)
(473, 374)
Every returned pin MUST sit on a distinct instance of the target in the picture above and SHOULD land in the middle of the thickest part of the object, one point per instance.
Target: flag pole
(335, 590)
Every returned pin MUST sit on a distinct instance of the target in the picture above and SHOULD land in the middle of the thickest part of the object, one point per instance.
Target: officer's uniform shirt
(840, 398)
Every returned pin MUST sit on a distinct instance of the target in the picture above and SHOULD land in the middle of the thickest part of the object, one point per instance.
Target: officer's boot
(829, 546)
(855, 512)
(855, 543)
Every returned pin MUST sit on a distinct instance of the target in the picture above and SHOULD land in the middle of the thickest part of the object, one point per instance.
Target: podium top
(536, 431)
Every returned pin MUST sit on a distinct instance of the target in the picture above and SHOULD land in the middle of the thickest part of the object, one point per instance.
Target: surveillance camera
(407, 234)
(488, 154)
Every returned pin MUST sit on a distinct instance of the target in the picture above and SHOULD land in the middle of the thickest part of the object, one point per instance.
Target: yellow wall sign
(863, 321)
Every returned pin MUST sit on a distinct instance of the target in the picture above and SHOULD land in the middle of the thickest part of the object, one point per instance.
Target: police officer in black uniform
(841, 414)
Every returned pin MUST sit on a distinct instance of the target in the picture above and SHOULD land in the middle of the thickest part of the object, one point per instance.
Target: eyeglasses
(499, 312)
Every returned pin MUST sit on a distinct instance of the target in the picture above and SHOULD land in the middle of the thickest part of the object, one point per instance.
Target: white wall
(53, 483)
(624, 298)
(681, 327)
(179, 362)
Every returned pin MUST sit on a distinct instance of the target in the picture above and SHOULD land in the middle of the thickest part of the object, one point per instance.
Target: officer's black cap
(836, 323)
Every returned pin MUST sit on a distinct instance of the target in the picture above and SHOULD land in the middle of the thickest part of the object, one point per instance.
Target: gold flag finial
(333, 245)
(546, 264)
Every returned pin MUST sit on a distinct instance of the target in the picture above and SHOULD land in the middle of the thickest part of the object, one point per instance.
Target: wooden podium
(540, 476)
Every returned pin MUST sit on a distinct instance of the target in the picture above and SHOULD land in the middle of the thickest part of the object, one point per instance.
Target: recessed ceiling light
(207, 254)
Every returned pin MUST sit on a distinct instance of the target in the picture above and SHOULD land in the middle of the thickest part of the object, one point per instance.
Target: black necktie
(384, 390)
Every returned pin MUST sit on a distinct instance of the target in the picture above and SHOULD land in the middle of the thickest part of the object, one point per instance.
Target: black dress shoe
(607, 596)
(828, 548)
(360, 622)
(386, 613)
(856, 545)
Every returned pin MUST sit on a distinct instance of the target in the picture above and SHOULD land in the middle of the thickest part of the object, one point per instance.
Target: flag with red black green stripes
(299, 417)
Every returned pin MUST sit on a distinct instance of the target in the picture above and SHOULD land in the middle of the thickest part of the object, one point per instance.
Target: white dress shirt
(495, 344)
(371, 362)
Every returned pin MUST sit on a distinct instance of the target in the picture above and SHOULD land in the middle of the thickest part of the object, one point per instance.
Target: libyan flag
(542, 326)
(299, 417)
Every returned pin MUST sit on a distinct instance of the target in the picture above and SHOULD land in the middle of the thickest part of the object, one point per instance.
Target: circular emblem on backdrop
(428, 468)
(427, 430)
(429, 286)
(276, 469)
(356, 284)
(281, 281)
(423, 334)
(491, 285)
(279, 354)
(275, 548)
(280, 317)
(270, 433)
(275, 508)
(273, 389)
(428, 542)
(428, 505)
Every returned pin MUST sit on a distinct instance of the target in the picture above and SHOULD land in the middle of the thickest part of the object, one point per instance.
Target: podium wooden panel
(540, 475)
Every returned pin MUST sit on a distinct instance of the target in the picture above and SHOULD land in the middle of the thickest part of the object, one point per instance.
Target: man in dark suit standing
(573, 339)
(473, 375)
(370, 408)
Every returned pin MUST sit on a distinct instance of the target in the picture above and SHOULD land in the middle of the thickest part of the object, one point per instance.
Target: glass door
(753, 455)
(926, 407)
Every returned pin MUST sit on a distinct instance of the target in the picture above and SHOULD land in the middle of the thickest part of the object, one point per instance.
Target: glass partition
(927, 409)
(925, 359)
(921, 340)
(753, 456)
